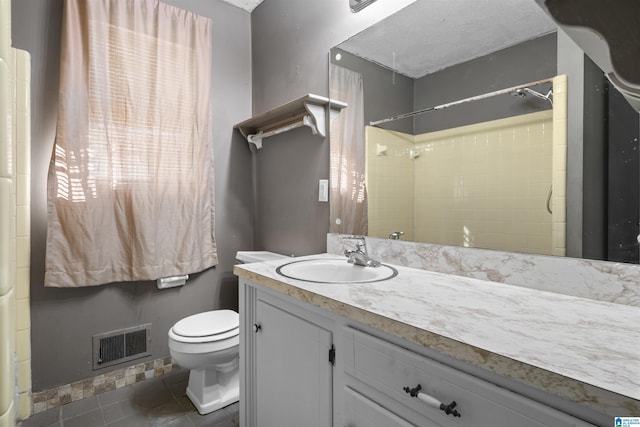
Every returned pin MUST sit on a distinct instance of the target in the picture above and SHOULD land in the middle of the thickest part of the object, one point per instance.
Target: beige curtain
(130, 187)
(348, 202)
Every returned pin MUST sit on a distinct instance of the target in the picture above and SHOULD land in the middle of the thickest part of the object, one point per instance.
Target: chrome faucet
(359, 255)
(396, 235)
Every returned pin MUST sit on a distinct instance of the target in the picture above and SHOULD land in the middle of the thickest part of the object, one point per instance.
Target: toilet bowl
(208, 344)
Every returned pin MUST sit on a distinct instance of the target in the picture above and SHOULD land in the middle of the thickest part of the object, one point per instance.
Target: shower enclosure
(15, 352)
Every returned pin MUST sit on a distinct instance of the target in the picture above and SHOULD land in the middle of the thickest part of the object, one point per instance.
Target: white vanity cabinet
(380, 374)
(286, 372)
(305, 366)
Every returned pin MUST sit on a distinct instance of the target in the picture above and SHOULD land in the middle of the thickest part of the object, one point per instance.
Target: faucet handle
(360, 243)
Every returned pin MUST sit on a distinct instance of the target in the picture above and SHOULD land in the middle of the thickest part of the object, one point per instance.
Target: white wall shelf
(309, 110)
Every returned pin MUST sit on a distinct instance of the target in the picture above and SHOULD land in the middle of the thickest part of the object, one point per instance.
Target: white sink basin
(334, 271)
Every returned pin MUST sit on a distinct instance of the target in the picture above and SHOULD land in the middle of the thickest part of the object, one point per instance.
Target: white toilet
(208, 344)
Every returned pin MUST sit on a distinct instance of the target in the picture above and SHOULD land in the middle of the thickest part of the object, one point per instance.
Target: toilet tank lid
(207, 323)
(257, 256)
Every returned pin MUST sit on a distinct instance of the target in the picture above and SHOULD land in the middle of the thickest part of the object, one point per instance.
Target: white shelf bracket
(311, 123)
(317, 116)
(318, 112)
(255, 139)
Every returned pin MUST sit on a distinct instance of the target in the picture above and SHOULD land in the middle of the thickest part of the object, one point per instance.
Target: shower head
(523, 92)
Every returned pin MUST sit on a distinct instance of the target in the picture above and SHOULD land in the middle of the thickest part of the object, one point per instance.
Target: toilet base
(214, 387)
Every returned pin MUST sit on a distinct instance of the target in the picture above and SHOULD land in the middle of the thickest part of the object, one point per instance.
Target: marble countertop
(583, 350)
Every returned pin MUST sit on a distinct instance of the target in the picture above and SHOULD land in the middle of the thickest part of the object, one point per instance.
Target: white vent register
(309, 110)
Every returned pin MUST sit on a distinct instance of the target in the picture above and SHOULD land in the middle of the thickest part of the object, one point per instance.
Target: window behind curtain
(130, 191)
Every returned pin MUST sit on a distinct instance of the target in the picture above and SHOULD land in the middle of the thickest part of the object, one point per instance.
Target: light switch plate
(323, 190)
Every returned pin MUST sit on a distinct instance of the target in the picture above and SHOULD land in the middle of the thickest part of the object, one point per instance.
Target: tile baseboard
(88, 387)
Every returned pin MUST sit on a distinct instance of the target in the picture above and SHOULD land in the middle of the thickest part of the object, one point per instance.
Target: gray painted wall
(290, 59)
(63, 320)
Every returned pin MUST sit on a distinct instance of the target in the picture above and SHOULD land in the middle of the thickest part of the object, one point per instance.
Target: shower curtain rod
(462, 101)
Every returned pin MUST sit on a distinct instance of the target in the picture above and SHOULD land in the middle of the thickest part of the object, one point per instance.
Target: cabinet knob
(257, 327)
(432, 401)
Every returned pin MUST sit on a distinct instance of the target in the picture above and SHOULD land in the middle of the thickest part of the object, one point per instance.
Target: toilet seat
(204, 327)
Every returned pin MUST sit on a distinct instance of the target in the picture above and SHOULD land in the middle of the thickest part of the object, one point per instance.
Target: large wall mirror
(485, 170)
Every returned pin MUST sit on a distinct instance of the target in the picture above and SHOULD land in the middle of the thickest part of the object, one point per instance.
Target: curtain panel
(130, 185)
(348, 201)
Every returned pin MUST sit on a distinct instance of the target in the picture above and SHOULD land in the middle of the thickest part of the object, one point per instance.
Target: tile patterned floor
(158, 402)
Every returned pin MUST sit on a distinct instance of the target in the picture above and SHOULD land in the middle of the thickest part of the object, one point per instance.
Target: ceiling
(247, 5)
(430, 35)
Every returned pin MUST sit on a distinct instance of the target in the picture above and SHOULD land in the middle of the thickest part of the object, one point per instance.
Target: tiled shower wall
(484, 185)
(22, 136)
(15, 345)
(390, 182)
(559, 165)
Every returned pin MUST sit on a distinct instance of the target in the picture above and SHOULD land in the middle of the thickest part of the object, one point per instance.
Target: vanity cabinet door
(292, 368)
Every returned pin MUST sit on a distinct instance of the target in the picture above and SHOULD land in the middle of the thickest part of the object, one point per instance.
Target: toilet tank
(246, 257)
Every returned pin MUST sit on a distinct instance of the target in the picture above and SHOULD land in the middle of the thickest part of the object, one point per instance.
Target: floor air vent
(121, 346)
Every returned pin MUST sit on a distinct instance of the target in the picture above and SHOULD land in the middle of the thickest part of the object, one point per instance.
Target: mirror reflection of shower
(436, 63)
(490, 184)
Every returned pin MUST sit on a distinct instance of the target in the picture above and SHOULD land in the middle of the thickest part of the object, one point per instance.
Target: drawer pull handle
(257, 327)
(432, 401)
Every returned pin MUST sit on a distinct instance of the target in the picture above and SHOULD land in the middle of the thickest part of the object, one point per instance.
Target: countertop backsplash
(599, 280)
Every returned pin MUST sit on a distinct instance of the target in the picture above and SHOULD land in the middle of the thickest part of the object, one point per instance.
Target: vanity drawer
(389, 368)
(360, 411)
